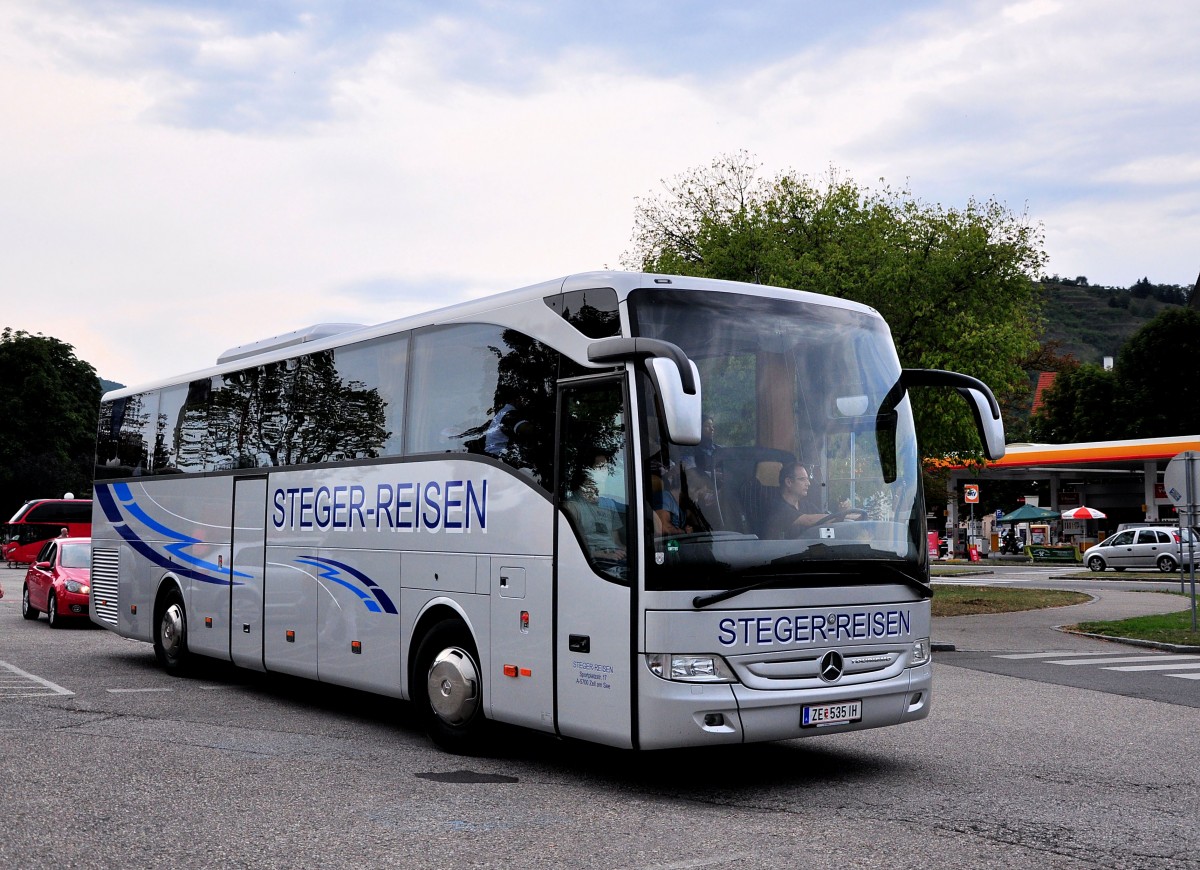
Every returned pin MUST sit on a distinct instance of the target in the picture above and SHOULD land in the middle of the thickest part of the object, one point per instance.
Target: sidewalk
(1028, 630)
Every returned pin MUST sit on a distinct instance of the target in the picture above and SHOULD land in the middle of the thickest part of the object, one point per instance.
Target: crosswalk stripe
(1184, 676)
(1168, 666)
(1160, 657)
(1050, 655)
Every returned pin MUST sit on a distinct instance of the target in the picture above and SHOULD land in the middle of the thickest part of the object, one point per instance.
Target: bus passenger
(669, 518)
(600, 527)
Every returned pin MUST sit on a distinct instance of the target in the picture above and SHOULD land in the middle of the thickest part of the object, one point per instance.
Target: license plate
(815, 715)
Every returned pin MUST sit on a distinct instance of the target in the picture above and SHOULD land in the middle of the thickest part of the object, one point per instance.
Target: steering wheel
(842, 516)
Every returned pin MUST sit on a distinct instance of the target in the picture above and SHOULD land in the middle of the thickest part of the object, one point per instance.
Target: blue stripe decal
(182, 541)
(385, 603)
(104, 495)
(328, 572)
(153, 555)
(112, 511)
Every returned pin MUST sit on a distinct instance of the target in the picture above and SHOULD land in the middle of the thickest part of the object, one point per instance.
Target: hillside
(1087, 326)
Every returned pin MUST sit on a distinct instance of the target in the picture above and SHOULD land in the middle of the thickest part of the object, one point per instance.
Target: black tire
(1096, 563)
(52, 611)
(1166, 564)
(27, 610)
(170, 635)
(447, 687)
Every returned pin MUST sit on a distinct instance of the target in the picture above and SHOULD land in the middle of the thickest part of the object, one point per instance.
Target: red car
(58, 583)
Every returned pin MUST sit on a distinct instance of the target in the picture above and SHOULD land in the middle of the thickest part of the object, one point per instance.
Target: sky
(177, 178)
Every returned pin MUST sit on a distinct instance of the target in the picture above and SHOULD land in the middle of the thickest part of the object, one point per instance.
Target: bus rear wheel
(170, 635)
(448, 689)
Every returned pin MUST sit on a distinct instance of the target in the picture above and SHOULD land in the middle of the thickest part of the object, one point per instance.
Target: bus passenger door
(246, 572)
(593, 628)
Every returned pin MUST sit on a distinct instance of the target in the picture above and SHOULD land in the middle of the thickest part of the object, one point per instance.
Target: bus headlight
(690, 667)
(920, 652)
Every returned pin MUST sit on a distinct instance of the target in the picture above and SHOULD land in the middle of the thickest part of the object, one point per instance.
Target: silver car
(1162, 547)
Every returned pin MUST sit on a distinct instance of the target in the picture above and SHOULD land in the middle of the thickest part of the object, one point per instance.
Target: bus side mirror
(681, 410)
(675, 376)
(991, 427)
(979, 396)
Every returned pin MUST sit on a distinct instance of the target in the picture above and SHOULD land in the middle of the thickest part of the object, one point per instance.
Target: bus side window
(593, 481)
(478, 388)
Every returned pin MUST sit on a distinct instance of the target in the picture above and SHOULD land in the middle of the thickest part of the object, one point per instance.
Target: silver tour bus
(640, 510)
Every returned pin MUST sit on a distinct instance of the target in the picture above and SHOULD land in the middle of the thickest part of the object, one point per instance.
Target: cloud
(183, 177)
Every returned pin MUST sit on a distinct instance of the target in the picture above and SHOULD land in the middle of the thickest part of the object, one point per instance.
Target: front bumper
(71, 603)
(675, 714)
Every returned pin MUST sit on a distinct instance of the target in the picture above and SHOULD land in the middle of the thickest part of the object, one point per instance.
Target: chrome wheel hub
(453, 686)
(172, 630)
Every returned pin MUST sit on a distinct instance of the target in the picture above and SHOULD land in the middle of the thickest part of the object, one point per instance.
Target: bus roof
(325, 336)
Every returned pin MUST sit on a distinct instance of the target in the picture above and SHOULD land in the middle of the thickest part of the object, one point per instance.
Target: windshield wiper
(914, 583)
(701, 601)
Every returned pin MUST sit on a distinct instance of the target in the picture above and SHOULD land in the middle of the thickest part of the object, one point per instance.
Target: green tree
(1079, 406)
(48, 429)
(955, 284)
(1156, 376)
(1151, 394)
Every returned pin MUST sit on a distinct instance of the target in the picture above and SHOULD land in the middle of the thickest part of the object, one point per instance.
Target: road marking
(1050, 655)
(15, 690)
(123, 691)
(1184, 676)
(1160, 657)
(1175, 666)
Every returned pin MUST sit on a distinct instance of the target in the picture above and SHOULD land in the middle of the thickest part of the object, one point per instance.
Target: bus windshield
(807, 472)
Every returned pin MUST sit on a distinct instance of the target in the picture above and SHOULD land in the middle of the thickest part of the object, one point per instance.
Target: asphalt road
(105, 761)
(1026, 645)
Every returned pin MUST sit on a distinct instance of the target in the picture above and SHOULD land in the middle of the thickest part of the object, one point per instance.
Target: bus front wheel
(170, 635)
(448, 689)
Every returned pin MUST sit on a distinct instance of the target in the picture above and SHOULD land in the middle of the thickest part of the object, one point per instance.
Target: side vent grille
(106, 565)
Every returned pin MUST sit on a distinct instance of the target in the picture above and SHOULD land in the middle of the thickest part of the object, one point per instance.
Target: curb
(1129, 641)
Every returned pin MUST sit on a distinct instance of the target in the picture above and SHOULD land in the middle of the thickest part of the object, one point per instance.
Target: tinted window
(61, 512)
(477, 388)
(167, 429)
(593, 483)
(125, 436)
(294, 412)
(193, 444)
(377, 370)
(593, 312)
(1147, 536)
(321, 407)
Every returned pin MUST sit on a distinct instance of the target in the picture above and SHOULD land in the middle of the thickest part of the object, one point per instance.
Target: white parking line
(1169, 666)
(123, 691)
(1184, 676)
(15, 690)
